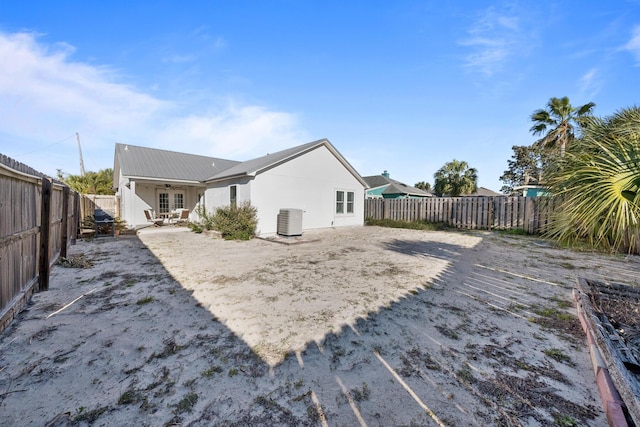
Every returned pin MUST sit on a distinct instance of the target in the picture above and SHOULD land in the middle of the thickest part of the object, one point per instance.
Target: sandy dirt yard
(362, 326)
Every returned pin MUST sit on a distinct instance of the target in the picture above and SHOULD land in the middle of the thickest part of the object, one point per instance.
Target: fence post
(64, 231)
(76, 217)
(45, 228)
(490, 210)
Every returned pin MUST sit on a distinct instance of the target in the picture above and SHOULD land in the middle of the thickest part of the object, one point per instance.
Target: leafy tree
(422, 185)
(455, 178)
(91, 183)
(525, 167)
(560, 123)
(598, 185)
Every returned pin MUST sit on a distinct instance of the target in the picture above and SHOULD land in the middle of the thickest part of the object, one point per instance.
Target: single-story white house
(312, 177)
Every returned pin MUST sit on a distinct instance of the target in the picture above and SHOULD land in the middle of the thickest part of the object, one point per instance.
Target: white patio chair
(151, 218)
(183, 216)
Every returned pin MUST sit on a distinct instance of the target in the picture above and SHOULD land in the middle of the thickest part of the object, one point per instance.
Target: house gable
(309, 182)
(262, 164)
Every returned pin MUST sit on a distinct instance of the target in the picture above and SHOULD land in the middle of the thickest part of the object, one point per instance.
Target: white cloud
(42, 89)
(589, 84)
(234, 132)
(634, 44)
(46, 96)
(493, 38)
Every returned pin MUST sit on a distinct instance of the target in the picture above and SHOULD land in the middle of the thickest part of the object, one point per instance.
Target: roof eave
(148, 178)
(227, 177)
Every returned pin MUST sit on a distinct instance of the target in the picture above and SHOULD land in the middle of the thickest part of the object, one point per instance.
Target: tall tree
(525, 167)
(422, 185)
(91, 182)
(455, 178)
(599, 185)
(560, 123)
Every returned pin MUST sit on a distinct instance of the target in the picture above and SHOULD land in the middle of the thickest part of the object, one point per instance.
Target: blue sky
(403, 86)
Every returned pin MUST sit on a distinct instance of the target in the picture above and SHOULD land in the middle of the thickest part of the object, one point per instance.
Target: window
(350, 201)
(233, 192)
(339, 202)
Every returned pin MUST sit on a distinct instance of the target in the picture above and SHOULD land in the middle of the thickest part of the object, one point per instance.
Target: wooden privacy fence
(530, 214)
(90, 202)
(39, 217)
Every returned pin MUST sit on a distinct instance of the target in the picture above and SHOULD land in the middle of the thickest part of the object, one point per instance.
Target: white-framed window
(233, 196)
(339, 202)
(350, 201)
(345, 202)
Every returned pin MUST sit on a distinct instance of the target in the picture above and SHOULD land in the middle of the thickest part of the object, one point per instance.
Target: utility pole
(80, 150)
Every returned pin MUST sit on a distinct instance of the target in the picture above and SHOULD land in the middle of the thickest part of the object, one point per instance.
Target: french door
(169, 200)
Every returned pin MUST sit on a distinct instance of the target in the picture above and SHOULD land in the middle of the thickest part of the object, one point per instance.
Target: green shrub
(236, 222)
(206, 219)
(196, 227)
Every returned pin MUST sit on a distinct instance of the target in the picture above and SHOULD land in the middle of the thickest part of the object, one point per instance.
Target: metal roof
(146, 162)
(143, 162)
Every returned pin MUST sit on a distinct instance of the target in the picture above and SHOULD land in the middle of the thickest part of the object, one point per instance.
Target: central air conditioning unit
(290, 222)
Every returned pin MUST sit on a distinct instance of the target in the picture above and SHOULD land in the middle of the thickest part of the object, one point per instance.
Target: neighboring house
(531, 190)
(382, 186)
(483, 192)
(313, 177)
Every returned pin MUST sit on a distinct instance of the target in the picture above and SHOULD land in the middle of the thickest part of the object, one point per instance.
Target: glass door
(170, 200)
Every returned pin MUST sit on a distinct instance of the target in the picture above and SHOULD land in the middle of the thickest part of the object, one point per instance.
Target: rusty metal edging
(606, 368)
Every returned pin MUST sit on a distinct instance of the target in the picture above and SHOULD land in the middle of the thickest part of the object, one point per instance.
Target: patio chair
(151, 218)
(183, 216)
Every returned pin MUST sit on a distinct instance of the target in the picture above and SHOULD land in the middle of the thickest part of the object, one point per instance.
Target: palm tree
(599, 185)
(91, 182)
(560, 122)
(422, 185)
(455, 178)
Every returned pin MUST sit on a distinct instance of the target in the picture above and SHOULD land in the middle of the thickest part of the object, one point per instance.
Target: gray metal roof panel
(170, 165)
(252, 166)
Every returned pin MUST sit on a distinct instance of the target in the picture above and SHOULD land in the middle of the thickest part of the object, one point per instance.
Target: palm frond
(599, 184)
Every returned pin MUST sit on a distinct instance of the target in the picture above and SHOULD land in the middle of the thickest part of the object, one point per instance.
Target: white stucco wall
(217, 194)
(308, 182)
(141, 195)
(133, 202)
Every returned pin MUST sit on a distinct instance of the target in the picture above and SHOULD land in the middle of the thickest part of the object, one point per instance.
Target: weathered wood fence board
(38, 219)
(90, 202)
(505, 213)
